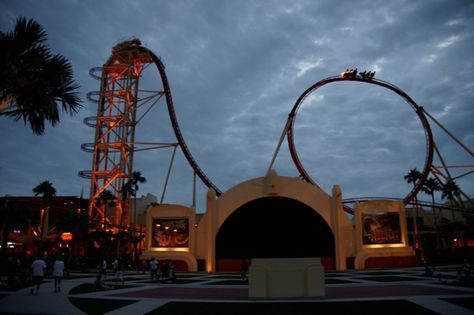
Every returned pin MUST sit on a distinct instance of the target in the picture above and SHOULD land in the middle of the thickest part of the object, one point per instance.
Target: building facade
(277, 217)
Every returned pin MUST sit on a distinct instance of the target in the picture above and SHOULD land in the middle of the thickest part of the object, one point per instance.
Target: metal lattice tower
(114, 143)
(121, 105)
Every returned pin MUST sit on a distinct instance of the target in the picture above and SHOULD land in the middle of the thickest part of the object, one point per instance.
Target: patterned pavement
(144, 295)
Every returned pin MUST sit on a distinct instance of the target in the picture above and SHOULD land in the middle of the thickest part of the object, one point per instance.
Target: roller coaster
(353, 76)
(121, 105)
(118, 102)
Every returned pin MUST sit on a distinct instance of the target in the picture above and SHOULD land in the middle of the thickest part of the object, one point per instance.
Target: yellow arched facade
(200, 249)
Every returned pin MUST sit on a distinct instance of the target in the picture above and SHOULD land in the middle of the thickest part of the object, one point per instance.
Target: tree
(46, 189)
(105, 198)
(136, 179)
(413, 177)
(131, 188)
(430, 186)
(33, 80)
(450, 190)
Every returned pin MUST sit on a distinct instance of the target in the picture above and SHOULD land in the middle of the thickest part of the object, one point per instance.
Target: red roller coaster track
(150, 57)
(114, 145)
(418, 110)
(174, 122)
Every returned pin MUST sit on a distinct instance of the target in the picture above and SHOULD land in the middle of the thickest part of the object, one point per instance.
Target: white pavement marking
(442, 307)
(140, 307)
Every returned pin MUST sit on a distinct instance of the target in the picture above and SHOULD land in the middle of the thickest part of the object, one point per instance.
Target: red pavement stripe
(386, 291)
(190, 293)
(331, 292)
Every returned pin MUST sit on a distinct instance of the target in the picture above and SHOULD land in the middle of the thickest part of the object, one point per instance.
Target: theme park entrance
(273, 227)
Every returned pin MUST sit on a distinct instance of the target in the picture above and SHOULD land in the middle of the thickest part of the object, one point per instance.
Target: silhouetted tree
(430, 186)
(46, 189)
(33, 81)
(413, 177)
(450, 190)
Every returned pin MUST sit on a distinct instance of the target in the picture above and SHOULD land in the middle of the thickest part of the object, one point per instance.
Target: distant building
(43, 226)
(442, 229)
(142, 204)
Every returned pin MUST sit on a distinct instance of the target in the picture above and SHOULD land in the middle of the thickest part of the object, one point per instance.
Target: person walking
(58, 273)
(118, 271)
(466, 269)
(103, 268)
(154, 269)
(37, 274)
(115, 265)
(244, 267)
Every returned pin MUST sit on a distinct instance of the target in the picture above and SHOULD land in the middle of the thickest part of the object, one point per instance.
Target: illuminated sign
(381, 228)
(66, 236)
(170, 232)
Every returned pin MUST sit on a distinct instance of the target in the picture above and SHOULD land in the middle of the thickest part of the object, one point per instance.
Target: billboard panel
(381, 228)
(170, 232)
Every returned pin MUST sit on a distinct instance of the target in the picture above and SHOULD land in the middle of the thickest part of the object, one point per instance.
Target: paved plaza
(441, 294)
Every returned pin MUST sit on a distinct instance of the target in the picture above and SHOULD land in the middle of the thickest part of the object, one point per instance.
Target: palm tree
(430, 186)
(127, 190)
(413, 177)
(105, 198)
(136, 179)
(46, 189)
(130, 188)
(33, 80)
(450, 190)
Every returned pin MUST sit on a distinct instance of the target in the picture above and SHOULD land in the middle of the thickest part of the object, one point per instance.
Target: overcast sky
(236, 69)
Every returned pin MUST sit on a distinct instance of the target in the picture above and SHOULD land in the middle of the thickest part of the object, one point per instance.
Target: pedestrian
(99, 284)
(58, 273)
(460, 277)
(37, 274)
(164, 270)
(115, 264)
(244, 268)
(144, 267)
(171, 273)
(154, 269)
(103, 268)
(466, 269)
(119, 272)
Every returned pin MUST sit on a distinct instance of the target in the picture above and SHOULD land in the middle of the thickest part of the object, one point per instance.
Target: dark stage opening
(274, 227)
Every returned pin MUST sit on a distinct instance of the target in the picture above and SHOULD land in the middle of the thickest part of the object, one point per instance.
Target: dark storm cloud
(237, 67)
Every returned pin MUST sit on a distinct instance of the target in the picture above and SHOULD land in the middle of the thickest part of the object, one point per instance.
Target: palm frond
(37, 81)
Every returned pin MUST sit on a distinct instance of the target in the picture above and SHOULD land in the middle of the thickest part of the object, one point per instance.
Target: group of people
(164, 272)
(463, 273)
(38, 268)
(102, 274)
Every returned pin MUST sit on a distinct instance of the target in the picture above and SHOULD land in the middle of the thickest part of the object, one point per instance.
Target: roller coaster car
(126, 44)
(349, 73)
(367, 74)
